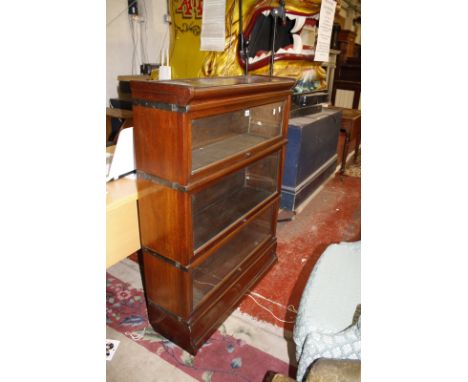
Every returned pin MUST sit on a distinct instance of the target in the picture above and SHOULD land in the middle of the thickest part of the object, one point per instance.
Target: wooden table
(351, 126)
(122, 230)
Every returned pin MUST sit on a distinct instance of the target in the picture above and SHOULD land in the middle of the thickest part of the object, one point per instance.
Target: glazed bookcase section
(193, 129)
(218, 206)
(170, 311)
(228, 259)
(184, 225)
(218, 137)
(206, 280)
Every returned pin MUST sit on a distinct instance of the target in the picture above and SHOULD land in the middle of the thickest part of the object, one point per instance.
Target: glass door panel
(221, 204)
(218, 137)
(230, 255)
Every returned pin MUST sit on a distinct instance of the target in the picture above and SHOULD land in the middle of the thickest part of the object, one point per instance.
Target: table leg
(345, 152)
(358, 142)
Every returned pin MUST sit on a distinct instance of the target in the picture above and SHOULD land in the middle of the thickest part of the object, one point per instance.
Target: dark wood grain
(165, 220)
(168, 285)
(209, 176)
(161, 140)
(196, 91)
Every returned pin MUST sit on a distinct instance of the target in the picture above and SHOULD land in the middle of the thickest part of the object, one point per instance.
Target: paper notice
(111, 347)
(213, 25)
(327, 14)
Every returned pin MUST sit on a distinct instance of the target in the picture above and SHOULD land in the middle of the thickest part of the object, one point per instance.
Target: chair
(347, 94)
(122, 118)
(328, 319)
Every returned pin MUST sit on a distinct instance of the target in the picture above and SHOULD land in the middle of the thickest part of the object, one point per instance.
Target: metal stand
(278, 12)
(243, 44)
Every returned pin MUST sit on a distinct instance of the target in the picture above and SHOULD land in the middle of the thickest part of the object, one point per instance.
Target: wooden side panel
(160, 140)
(176, 331)
(167, 285)
(165, 221)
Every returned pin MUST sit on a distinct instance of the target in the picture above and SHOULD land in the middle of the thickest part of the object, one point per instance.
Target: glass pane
(220, 136)
(230, 255)
(221, 204)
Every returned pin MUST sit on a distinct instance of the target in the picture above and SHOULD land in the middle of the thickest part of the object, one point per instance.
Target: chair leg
(345, 154)
(358, 143)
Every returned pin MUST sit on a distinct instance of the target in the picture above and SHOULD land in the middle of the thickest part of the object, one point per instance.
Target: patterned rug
(223, 357)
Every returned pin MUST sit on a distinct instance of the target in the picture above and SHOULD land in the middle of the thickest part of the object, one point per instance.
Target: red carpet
(334, 215)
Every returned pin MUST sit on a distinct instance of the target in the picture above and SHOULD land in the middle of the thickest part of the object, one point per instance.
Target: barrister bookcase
(209, 154)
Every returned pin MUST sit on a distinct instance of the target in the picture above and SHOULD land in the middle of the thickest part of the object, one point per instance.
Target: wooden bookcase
(209, 156)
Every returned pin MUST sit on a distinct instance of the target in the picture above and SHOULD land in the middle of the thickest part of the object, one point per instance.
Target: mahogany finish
(191, 334)
(165, 226)
(164, 281)
(189, 91)
(161, 140)
(209, 156)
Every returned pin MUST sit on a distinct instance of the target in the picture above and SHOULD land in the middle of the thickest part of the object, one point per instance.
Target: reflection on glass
(220, 205)
(220, 136)
(230, 255)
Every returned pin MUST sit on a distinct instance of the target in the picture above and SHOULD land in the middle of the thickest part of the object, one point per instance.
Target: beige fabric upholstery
(329, 370)
(335, 370)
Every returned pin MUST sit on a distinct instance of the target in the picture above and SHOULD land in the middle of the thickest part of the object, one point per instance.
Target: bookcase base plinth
(190, 334)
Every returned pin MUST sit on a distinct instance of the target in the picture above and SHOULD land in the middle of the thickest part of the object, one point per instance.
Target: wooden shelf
(217, 151)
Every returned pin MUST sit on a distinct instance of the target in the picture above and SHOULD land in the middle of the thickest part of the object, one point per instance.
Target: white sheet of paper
(112, 351)
(213, 26)
(327, 14)
(123, 160)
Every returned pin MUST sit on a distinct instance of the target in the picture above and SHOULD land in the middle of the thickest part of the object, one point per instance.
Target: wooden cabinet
(209, 156)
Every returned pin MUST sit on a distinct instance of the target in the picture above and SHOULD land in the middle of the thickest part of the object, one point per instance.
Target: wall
(119, 45)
